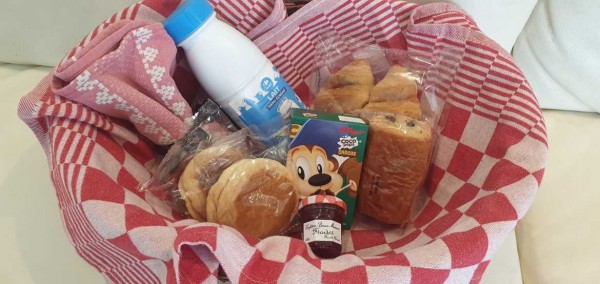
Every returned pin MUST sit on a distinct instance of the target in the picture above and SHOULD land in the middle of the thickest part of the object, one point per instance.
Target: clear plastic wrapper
(398, 156)
(204, 169)
(255, 196)
(210, 124)
(240, 182)
(387, 88)
(277, 148)
(354, 78)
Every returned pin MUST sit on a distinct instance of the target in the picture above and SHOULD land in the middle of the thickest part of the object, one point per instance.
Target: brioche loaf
(395, 168)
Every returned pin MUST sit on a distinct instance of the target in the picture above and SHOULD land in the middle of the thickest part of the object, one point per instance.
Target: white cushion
(501, 20)
(558, 238)
(42, 32)
(558, 53)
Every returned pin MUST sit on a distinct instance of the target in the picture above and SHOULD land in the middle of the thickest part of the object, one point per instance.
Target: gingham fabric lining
(487, 167)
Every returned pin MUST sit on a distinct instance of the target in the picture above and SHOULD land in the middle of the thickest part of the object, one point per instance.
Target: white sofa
(555, 243)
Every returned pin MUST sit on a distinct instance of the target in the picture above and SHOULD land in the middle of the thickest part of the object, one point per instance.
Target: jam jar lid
(321, 198)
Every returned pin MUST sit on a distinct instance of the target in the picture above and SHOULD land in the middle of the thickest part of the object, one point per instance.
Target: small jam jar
(322, 217)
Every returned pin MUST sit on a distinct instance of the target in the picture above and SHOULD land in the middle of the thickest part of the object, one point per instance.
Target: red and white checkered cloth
(485, 172)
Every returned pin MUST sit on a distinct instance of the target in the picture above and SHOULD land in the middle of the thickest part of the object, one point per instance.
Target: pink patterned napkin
(126, 72)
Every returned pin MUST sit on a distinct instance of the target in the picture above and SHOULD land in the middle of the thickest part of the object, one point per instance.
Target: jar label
(323, 231)
(266, 107)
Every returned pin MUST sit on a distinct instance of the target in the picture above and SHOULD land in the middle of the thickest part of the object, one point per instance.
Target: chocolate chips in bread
(410, 108)
(395, 168)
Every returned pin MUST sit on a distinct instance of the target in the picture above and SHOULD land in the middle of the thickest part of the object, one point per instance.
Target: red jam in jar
(322, 217)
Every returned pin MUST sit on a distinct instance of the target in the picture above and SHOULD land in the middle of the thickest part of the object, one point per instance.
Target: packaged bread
(343, 100)
(398, 84)
(356, 73)
(325, 101)
(410, 108)
(202, 172)
(254, 196)
(395, 168)
(400, 140)
(204, 169)
(347, 90)
(210, 124)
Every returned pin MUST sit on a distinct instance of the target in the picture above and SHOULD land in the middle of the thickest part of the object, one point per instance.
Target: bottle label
(323, 231)
(266, 106)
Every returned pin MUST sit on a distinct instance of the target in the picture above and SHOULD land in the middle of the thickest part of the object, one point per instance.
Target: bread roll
(397, 85)
(202, 172)
(356, 73)
(342, 100)
(255, 196)
(348, 90)
(395, 168)
(325, 101)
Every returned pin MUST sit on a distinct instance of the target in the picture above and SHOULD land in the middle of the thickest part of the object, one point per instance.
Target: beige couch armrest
(558, 239)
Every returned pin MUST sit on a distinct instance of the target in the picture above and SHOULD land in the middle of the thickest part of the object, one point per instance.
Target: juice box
(326, 155)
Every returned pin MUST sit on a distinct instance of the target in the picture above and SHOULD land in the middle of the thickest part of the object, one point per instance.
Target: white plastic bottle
(234, 72)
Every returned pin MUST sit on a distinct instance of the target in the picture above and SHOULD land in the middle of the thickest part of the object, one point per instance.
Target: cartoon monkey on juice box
(313, 165)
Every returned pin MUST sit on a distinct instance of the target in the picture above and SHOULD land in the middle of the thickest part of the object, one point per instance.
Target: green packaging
(326, 155)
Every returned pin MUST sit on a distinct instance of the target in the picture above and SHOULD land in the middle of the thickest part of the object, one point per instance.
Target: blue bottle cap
(187, 18)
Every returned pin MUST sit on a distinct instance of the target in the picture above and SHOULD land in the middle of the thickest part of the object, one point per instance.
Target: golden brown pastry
(342, 100)
(410, 108)
(395, 167)
(202, 172)
(325, 101)
(348, 90)
(255, 196)
(397, 85)
(356, 73)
